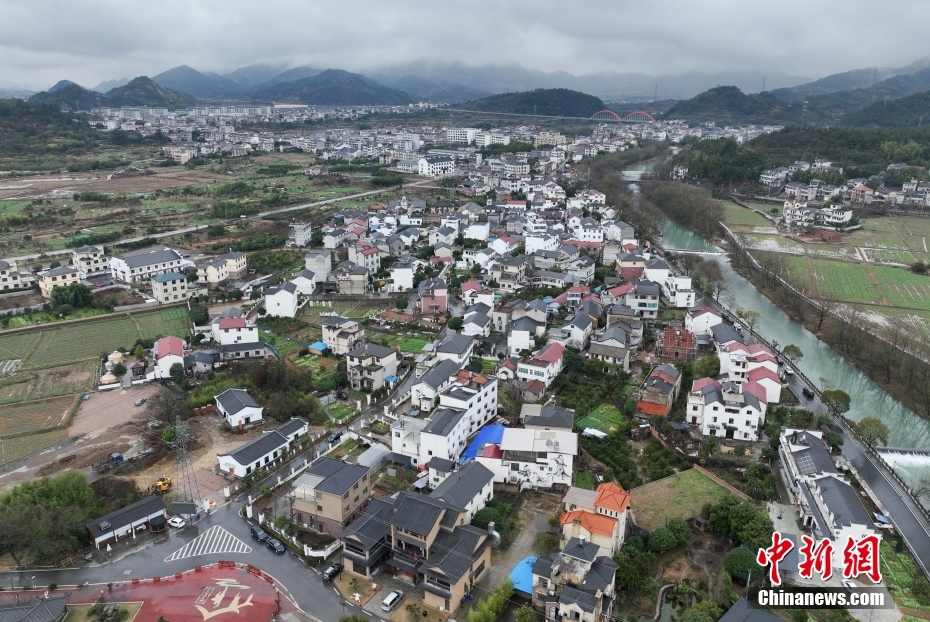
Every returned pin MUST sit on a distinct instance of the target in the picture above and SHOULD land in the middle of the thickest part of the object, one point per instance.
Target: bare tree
(168, 403)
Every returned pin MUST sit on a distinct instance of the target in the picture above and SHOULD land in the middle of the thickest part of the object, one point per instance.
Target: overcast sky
(43, 41)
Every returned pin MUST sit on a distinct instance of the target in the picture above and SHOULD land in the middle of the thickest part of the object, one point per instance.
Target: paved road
(223, 535)
(168, 234)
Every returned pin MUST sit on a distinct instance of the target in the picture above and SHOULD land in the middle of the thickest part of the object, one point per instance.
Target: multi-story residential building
(62, 276)
(167, 352)
(737, 360)
(263, 450)
(281, 300)
(575, 584)
(341, 334)
(232, 330)
(464, 135)
(659, 391)
(370, 366)
(597, 516)
(299, 234)
(456, 347)
(465, 404)
(469, 488)
(727, 410)
(544, 366)
(424, 393)
(532, 458)
(330, 495)
(237, 264)
(402, 275)
(172, 287)
(320, 262)
(630, 265)
(11, 278)
(212, 271)
(90, 261)
(423, 541)
(143, 265)
(700, 320)
(351, 279)
(433, 296)
(435, 166)
(644, 297)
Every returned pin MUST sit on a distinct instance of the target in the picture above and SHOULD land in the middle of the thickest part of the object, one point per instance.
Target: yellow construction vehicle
(162, 484)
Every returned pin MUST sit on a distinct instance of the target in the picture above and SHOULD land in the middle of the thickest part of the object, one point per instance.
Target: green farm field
(738, 217)
(605, 418)
(682, 495)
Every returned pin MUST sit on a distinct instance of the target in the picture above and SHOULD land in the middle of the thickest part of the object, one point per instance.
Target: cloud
(43, 41)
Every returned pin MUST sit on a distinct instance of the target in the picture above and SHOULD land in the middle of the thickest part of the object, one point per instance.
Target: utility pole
(763, 85)
(188, 490)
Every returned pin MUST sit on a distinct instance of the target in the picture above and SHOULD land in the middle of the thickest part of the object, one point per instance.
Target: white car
(177, 522)
(849, 585)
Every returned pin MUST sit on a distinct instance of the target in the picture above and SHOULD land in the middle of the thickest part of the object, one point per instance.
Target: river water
(906, 429)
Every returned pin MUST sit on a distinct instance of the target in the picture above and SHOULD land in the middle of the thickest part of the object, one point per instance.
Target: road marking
(213, 540)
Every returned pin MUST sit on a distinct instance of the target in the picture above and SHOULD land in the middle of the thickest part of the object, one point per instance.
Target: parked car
(275, 545)
(849, 585)
(335, 438)
(392, 600)
(807, 393)
(258, 533)
(789, 371)
(177, 522)
(342, 395)
(140, 401)
(332, 572)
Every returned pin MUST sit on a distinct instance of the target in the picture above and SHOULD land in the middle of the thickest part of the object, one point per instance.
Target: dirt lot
(107, 409)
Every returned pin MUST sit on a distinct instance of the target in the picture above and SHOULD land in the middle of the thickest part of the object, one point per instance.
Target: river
(906, 429)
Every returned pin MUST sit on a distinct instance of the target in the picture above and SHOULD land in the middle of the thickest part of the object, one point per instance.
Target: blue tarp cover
(522, 575)
(487, 434)
(319, 345)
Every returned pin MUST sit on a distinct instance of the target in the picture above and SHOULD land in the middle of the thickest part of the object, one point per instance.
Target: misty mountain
(333, 87)
(831, 108)
(547, 102)
(106, 85)
(909, 111)
(252, 75)
(61, 84)
(429, 91)
(141, 91)
(16, 93)
(197, 84)
(849, 80)
(290, 75)
(610, 85)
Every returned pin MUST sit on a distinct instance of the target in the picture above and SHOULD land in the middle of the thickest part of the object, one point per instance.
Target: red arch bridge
(637, 116)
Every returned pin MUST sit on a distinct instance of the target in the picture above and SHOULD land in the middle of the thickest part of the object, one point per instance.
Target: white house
(699, 321)
(424, 393)
(522, 335)
(167, 351)
(341, 334)
(727, 410)
(435, 166)
(469, 488)
(263, 450)
(532, 458)
(281, 300)
(238, 408)
(544, 366)
(402, 275)
(678, 291)
(299, 234)
(143, 265)
(232, 330)
(334, 238)
(305, 281)
(456, 347)
(320, 262)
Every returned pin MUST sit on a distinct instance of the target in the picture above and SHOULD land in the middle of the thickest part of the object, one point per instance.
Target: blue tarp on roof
(522, 575)
(318, 345)
(390, 379)
(487, 434)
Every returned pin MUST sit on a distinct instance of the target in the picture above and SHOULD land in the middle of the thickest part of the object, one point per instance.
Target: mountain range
(141, 91)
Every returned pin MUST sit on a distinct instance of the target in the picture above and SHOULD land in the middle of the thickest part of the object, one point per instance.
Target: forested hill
(333, 87)
(727, 104)
(910, 111)
(861, 152)
(141, 91)
(547, 102)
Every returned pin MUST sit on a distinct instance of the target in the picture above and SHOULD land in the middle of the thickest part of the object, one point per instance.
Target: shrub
(546, 544)
(662, 540)
(739, 563)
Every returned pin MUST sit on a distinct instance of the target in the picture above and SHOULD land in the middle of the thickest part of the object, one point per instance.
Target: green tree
(76, 295)
(834, 440)
(401, 303)
(872, 431)
(836, 400)
(707, 367)
(139, 352)
(739, 563)
(475, 366)
(177, 372)
(199, 316)
(750, 318)
(119, 370)
(455, 323)
(484, 516)
(695, 615)
(169, 435)
(236, 294)
(662, 540)
(525, 613)
(679, 529)
(792, 353)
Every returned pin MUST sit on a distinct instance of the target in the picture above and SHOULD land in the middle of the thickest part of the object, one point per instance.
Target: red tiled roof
(651, 408)
(763, 373)
(490, 450)
(232, 322)
(755, 389)
(551, 353)
(471, 284)
(593, 523)
(537, 387)
(579, 289)
(612, 497)
(700, 383)
(621, 290)
(169, 345)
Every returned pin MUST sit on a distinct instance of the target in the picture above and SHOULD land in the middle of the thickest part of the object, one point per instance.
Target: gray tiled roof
(417, 513)
(439, 374)
(548, 415)
(35, 609)
(338, 477)
(455, 343)
(125, 516)
(373, 525)
(462, 486)
(587, 551)
(843, 502)
(570, 595)
(147, 259)
(744, 611)
(234, 400)
(441, 465)
(259, 446)
(371, 349)
(443, 421)
(453, 553)
(289, 427)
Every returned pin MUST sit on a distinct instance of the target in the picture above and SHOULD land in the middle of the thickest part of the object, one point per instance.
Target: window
(319, 508)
